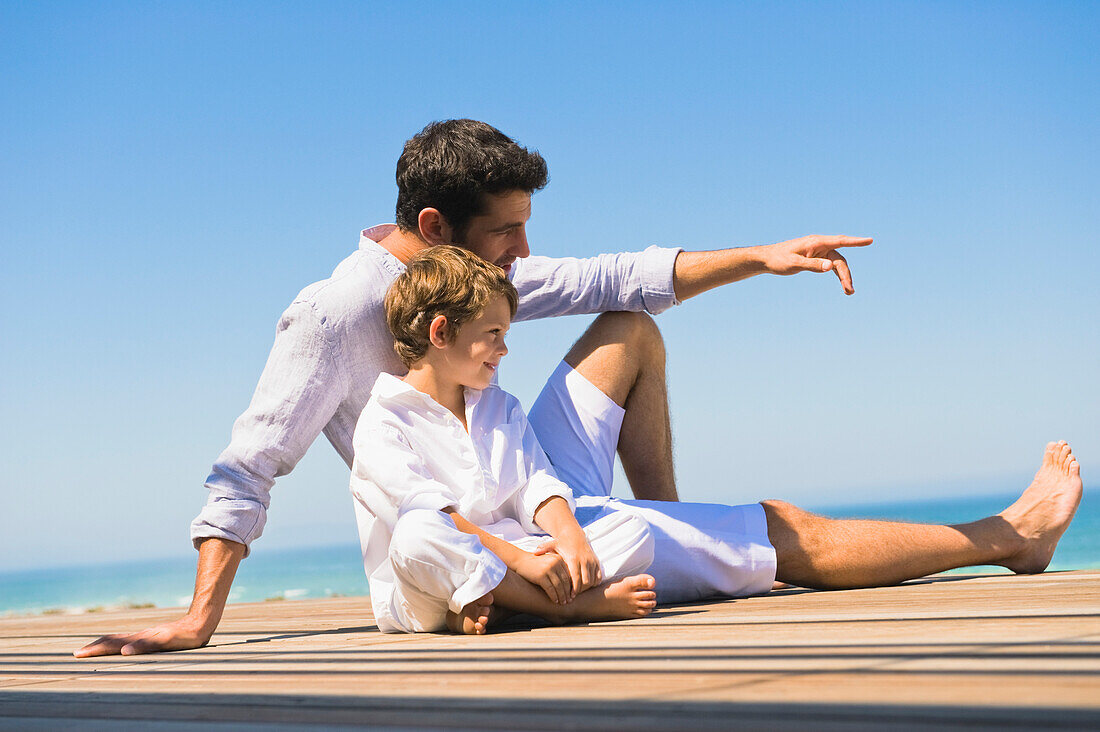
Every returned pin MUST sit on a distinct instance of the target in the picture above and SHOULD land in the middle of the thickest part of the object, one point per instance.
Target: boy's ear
(439, 331)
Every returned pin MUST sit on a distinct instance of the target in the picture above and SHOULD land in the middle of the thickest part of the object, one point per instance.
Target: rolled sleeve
(229, 514)
(299, 391)
(541, 487)
(430, 500)
(658, 278)
(626, 281)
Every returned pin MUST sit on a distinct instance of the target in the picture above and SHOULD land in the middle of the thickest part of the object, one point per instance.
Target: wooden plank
(987, 651)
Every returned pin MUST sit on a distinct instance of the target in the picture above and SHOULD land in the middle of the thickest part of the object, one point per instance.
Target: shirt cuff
(538, 490)
(427, 501)
(658, 275)
(236, 520)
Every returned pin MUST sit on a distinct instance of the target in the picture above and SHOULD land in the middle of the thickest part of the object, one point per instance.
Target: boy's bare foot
(1040, 516)
(474, 618)
(630, 597)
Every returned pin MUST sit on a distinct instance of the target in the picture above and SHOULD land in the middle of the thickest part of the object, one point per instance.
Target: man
(463, 182)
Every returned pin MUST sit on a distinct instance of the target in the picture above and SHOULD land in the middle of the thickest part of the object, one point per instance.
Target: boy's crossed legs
(703, 550)
(444, 577)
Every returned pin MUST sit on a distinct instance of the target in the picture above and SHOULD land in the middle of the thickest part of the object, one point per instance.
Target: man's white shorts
(700, 550)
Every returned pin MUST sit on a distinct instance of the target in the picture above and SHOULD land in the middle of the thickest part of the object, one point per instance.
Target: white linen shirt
(332, 343)
(412, 453)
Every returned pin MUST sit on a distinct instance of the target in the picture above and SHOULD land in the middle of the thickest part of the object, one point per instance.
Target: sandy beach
(953, 652)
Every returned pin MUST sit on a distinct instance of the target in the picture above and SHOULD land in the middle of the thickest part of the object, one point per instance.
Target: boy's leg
(621, 358)
(622, 541)
(623, 599)
(437, 569)
(814, 551)
(444, 577)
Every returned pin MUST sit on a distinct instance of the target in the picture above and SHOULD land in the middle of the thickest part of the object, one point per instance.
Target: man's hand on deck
(179, 635)
(815, 253)
(218, 560)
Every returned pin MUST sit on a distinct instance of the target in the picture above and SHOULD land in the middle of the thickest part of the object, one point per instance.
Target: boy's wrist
(516, 558)
(571, 534)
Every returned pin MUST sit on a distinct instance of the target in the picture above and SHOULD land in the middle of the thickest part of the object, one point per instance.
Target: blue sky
(175, 172)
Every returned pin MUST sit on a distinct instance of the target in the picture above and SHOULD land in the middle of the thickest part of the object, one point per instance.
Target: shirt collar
(368, 242)
(375, 234)
(390, 389)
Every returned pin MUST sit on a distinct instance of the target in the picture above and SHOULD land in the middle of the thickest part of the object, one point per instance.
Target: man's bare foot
(1041, 515)
(474, 618)
(630, 597)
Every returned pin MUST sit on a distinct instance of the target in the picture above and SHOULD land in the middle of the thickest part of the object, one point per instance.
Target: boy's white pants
(437, 568)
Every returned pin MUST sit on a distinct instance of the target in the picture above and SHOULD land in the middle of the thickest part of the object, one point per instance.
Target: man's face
(499, 235)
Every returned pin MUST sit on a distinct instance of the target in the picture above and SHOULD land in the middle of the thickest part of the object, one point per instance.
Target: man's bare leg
(814, 551)
(623, 355)
(630, 597)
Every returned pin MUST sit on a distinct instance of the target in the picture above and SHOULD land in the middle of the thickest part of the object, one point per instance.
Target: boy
(453, 495)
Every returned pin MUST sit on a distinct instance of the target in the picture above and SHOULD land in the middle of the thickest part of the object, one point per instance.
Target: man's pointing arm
(697, 272)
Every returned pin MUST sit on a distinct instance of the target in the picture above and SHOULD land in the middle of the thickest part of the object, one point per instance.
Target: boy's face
(472, 358)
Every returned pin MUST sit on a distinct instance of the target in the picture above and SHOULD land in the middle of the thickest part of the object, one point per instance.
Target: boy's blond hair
(441, 280)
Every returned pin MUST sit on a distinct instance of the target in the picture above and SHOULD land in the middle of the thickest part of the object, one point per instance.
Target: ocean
(331, 571)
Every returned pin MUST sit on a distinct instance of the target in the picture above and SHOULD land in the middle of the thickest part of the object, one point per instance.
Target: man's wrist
(758, 258)
(203, 618)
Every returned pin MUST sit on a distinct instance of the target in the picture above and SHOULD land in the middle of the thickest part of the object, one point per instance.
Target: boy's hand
(574, 549)
(549, 572)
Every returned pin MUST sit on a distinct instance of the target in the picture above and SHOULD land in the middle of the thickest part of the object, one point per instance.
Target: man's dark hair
(450, 165)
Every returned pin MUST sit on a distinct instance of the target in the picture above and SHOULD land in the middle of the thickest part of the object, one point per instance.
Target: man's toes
(1048, 453)
(1074, 467)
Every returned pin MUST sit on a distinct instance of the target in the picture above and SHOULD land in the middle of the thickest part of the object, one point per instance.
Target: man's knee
(638, 330)
(626, 335)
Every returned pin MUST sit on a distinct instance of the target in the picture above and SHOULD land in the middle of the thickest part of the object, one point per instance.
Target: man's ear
(439, 331)
(434, 228)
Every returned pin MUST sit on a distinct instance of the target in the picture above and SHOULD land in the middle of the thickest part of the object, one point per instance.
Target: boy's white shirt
(412, 453)
(332, 342)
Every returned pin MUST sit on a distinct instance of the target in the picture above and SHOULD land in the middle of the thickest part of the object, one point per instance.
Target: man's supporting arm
(697, 272)
(218, 561)
(298, 392)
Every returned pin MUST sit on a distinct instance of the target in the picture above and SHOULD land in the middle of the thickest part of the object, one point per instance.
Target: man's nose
(503, 349)
(520, 248)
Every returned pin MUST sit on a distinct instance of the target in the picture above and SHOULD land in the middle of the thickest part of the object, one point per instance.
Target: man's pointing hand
(697, 272)
(816, 253)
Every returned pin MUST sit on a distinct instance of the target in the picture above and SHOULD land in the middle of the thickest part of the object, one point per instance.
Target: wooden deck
(975, 652)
